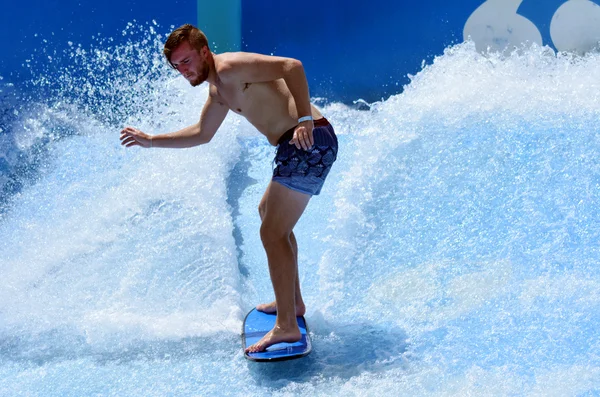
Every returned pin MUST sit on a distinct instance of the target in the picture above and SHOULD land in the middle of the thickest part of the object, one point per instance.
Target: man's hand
(132, 137)
(303, 135)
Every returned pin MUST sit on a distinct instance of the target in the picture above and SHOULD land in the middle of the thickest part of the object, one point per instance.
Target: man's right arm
(212, 117)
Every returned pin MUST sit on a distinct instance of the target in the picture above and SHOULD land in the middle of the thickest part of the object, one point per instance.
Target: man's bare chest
(236, 98)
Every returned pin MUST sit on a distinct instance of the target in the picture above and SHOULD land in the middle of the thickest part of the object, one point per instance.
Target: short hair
(189, 33)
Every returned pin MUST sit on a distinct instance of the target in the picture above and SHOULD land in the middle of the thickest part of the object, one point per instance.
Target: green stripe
(221, 21)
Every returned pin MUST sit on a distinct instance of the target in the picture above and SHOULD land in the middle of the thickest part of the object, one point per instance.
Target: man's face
(190, 63)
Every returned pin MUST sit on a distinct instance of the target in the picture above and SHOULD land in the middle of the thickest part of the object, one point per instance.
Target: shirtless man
(272, 94)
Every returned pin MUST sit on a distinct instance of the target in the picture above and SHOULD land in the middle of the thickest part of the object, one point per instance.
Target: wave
(459, 226)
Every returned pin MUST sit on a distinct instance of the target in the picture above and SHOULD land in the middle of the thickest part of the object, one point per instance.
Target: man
(272, 94)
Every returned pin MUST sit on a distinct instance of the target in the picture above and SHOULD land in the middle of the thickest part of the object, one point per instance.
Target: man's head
(187, 51)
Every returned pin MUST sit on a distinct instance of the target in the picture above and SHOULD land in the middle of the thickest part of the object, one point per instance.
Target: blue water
(453, 250)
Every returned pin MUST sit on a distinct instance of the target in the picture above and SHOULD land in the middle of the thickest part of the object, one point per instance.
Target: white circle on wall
(575, 26)
(496, 26)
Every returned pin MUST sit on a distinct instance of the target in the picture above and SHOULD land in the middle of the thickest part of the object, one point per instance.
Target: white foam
(570, 290)
(426, 295)
(124, 237)
(111, 324)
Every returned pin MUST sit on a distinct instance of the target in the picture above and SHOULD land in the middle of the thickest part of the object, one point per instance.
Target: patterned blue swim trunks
(305, 170)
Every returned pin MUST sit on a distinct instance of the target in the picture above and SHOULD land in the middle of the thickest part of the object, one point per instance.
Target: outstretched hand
(134, 137)
(303, 135)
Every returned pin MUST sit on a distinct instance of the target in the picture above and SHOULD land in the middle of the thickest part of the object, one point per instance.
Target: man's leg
(280, 210)
(300, 306)
(272, 307)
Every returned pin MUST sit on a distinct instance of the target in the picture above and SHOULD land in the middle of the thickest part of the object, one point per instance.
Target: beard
(201, 75)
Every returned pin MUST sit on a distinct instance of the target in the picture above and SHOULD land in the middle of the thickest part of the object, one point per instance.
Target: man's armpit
(214, 95)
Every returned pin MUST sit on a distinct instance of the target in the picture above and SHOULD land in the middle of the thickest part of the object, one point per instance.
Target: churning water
(453, 251)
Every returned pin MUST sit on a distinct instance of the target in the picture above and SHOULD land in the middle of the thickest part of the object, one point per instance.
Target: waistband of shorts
(289, 134)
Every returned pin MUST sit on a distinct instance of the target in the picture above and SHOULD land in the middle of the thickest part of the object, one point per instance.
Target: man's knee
(271, 234)
(262, 209)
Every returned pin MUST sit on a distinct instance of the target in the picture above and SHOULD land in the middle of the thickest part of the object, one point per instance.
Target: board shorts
(305, 170)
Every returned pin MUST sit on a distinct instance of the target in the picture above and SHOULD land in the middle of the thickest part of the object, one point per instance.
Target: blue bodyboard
(257, 324)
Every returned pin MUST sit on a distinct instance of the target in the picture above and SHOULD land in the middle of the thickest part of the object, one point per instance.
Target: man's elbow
(198, 137)
(294, 64)
(203, 139)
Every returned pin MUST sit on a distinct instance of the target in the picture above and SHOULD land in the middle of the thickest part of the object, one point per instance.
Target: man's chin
(195, 83)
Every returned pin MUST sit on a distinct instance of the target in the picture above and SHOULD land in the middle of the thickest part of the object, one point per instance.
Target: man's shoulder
(235, 67)
(240, 58)
(237, 55)
(226, 63)
(228, 60)
(229, 65)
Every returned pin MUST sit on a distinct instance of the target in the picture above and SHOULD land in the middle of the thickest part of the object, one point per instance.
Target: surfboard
(257, 324)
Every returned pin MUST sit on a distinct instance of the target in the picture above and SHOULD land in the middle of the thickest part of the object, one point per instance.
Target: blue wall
(353, 50)
(77, 21)
(350, 49)
(365, 49)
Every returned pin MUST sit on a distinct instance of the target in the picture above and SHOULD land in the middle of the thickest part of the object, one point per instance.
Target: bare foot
(272, 308)
(276, 335)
